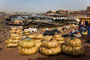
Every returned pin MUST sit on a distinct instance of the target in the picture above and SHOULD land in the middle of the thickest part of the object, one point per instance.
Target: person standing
(86, 23)
(89, 29)
(88, 41)
(80, 24)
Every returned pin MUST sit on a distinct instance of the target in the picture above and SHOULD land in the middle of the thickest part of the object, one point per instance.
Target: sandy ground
(12, 53)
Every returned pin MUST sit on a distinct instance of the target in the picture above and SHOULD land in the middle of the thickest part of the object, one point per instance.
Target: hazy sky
(42, 5)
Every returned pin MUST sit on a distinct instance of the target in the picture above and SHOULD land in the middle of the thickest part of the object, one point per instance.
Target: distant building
(88, 11)
(51, 11)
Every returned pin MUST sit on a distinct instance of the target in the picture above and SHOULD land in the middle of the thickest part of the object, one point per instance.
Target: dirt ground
(12, 53)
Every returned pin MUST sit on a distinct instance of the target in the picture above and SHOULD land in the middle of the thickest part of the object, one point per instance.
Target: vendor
(83, 26)
(89, 29)
(86, 23)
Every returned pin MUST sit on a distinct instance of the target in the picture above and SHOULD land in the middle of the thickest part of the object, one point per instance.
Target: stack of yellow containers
(27, 47)
(15, 37)
(73, 47)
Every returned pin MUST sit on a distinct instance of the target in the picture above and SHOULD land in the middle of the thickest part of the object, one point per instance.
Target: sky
(42, 5)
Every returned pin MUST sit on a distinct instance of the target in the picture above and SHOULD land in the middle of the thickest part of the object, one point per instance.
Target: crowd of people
(84, 29)
(84, 26)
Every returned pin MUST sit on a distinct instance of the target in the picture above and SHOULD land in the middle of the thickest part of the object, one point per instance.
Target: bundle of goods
(64, 29)
(73, 25)
(59, 29)
(59, 38)
(85, 33)
(44, 29)
(50, 47)
(33, 30)
(51, 32)
(47, 38)
(16, 27)
(73, 47)
(27, 47)
(15, 37)
(26, 32)
(32, 36)
(37, 38)
(68, 27)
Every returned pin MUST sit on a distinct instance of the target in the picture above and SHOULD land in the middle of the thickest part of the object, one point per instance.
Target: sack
(56, 30)
(49, 33)
(77, 35)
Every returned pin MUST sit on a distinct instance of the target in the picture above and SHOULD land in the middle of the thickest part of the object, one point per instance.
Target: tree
(58, 11)
(49, 11)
